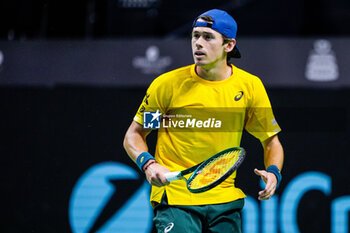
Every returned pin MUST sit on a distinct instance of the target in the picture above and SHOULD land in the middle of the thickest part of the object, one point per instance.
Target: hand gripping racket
(211, 172)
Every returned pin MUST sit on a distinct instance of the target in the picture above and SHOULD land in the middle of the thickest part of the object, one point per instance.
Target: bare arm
(135, 140)
(134, 144)
(273, 155)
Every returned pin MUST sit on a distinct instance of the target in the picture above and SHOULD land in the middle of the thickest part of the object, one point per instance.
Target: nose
(199, 43)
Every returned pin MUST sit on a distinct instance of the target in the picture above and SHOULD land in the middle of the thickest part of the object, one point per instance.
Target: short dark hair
(207, 18)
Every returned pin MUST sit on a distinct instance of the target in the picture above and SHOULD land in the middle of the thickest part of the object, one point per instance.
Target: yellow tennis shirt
(200, 118)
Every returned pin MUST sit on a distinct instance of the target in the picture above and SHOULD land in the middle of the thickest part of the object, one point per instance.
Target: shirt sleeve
(157, 98)
(260, 120)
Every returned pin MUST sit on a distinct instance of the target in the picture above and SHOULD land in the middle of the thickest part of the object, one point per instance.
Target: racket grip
(171, 176)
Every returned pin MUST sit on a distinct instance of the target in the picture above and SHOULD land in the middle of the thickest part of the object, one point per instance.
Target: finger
(269, 185)
(267, 191)
(266, 194)
(263, 198)
(154, 183)
(162, 179)
(271, 189)
(258, 172)
(262, 192)
(159, 180)
(154, 180)
(157, 183)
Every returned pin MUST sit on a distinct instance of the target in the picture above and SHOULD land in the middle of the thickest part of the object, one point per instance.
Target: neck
(217, 73)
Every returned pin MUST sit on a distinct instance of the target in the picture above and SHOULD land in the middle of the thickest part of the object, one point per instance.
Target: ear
(230, 45)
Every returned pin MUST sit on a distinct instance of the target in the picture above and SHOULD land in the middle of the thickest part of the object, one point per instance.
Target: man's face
(207, 47)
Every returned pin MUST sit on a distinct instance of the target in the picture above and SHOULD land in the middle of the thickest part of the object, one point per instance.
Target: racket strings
(215, 169)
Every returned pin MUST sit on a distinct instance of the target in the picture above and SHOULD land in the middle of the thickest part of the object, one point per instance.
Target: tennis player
(210, 83)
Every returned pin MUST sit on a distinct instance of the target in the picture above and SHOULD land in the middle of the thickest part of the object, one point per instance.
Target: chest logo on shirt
(239, 96)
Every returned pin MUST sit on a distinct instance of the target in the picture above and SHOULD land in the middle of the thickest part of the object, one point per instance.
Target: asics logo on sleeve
(145, 99)
(169, 227)
(239, 96)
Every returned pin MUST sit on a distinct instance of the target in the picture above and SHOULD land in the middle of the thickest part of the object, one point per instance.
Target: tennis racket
(211, 172)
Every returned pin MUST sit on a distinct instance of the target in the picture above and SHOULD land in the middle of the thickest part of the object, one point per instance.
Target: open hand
(270, 181)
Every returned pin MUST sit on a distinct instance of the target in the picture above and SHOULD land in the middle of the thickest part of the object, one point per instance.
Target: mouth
(199, 54)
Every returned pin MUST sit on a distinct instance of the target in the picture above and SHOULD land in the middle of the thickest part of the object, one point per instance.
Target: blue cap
(222, 23)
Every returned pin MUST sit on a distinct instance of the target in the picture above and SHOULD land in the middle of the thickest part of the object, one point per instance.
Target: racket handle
(171, 176)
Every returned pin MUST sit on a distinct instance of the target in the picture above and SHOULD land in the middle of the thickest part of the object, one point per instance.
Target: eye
(208, 36)
(196, 35)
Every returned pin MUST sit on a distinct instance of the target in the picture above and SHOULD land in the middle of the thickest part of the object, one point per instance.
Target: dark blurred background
(73, 73)
(95, 19)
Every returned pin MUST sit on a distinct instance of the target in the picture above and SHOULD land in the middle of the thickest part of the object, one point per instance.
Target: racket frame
(180, 175)
(222, 178)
